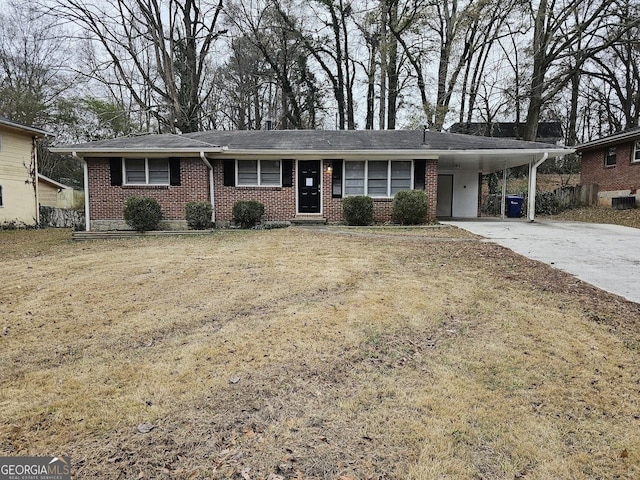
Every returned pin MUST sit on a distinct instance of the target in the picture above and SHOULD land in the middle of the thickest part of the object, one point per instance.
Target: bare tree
(33, 67)
(274, 33)
(166, 45)
(558, 26)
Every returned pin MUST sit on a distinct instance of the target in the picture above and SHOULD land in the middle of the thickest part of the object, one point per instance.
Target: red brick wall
(279, 202)
(431, 187)
(107, 202)
(625, 175)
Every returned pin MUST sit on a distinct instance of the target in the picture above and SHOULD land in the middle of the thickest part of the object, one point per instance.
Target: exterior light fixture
(329, 169)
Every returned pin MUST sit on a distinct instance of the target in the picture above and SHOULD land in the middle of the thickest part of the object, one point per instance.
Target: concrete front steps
(308, 220)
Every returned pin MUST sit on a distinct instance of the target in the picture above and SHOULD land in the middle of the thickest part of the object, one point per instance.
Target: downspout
(504, 191)
(34, 146)
(531, 208)
(85, 169)
(213, 206)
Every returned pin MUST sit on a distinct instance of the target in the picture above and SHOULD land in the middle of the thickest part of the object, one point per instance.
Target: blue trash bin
(514, 206)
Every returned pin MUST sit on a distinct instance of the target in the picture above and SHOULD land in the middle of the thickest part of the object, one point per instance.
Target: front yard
(302, 354)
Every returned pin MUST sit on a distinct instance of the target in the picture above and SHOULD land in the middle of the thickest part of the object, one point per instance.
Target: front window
(636, 152)
(610, 157)
(146, 171)
(377, 178)
(1, 199)
(259, 173)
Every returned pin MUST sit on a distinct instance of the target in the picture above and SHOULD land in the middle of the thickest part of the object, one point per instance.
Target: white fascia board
(610, 140)
(329, 154)
(160, 152)
(402, 154)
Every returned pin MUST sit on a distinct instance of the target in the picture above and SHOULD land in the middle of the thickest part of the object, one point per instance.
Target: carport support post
(504, 191)
(533, 171)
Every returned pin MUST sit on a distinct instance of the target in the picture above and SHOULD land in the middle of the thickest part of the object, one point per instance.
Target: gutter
(533, 171)
(204, 158)
(85, 170)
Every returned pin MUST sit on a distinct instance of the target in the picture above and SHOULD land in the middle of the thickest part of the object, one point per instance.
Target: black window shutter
(336, 179)
(174, 171)
(115, 169)
(419, 170)
(229, 173)
(287, 173)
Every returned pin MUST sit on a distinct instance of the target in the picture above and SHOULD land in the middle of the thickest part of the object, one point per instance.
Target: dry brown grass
(357, 357)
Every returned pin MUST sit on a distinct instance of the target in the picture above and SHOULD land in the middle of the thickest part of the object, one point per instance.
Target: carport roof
(452, 150)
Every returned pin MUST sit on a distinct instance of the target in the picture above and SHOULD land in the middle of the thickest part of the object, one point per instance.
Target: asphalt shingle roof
(311, 140)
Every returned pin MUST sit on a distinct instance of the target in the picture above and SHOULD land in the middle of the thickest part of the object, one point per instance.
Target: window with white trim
(377, 178)
(636, 152)
(146, 171)
(259, 173)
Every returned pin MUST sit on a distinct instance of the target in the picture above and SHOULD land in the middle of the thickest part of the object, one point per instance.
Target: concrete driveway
(607, 256)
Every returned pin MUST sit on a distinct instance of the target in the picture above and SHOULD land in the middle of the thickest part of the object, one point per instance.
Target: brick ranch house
(295, 173)
(613, 164)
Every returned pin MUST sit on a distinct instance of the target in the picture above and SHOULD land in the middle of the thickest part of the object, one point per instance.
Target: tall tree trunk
(392, 68)
(384, 45)
(537, 78)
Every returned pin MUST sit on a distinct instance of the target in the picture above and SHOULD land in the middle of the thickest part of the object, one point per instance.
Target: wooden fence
(578, 196)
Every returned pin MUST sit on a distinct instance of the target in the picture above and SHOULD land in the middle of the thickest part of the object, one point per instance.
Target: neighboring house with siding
(58, 195)
(18, 167)
(613, 164)
(48, 190)
(297, 174)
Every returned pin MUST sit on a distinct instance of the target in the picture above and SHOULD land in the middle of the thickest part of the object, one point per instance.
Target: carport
(464, 168)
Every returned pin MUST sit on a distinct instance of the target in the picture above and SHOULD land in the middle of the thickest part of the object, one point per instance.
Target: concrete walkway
(607, 256)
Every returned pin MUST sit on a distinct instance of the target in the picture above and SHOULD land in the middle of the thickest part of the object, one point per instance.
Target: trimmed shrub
(247, 213)
(410, 207)
(358, 210)
(142, 213)
(547, 203)
(272, 225)
(198, 215)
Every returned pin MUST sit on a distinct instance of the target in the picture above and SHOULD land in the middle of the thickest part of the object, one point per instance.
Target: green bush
(247, 213)
(410, 207)
(358, 210)
(142, 214)
(198, 215)
(547, 203)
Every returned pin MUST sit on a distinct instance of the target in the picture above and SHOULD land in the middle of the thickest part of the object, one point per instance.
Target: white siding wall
(465, 192)
(18, 197)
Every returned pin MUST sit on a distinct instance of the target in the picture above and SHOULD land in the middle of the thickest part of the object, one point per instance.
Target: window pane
(134, 168)
(354, 178)
(377, 182)
(247, 172)
(158, 171)
(270, 172)
(400, 176)
(611, 156)
(636, 154)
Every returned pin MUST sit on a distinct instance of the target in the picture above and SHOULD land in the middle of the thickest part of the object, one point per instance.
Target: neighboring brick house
(296, 174)
(18, 167)
(613, 164)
